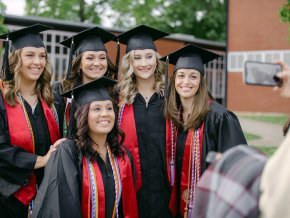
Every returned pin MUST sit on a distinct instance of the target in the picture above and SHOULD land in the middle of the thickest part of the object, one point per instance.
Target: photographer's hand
(285, 77)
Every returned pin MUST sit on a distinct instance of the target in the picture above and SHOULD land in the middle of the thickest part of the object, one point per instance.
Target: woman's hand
(41, 161)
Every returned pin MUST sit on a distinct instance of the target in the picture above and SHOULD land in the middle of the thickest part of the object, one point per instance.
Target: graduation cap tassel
(72, 121)
(166, 77)
(72, 48)
(5, 71)
(117, 58)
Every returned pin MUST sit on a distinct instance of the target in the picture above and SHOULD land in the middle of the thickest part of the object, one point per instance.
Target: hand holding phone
(262, 73)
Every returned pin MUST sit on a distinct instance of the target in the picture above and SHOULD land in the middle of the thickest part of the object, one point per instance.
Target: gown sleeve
(59, 192)
(59, 103)
(15, 163)
(222, 131)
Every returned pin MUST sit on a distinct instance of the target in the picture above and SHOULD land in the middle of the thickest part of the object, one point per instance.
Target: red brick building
(255, 32)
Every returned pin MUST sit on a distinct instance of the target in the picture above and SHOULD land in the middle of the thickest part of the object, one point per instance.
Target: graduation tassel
(172, 162)
(72, 48)
(5, 71)
(166, 77)
(117, 59)
(72, 121)
(172, 171)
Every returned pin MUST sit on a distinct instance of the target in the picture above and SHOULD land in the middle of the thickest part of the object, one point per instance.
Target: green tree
(73, 10)
(284, 13)
(204, 19)
(3, 29)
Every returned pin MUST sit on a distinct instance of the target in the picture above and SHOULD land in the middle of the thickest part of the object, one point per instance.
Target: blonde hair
(173, 108)
(127, 86)
(76, 73)
(43, 88)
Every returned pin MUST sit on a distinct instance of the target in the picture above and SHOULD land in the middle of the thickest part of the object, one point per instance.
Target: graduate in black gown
(91, 176)
(88, 60)
(198, 125)
(142, 120)
(29, 119)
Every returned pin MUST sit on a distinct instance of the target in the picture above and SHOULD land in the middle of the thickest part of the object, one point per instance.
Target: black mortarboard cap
(92, 39)
(190, 57)
(96, 90)
(140, 38)
(25, 37)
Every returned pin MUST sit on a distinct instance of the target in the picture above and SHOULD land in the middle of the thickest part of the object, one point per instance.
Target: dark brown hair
(115, 137)
(173, 108)
(76, 73)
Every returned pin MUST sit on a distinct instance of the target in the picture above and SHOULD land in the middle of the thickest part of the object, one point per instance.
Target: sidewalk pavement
(271, 134)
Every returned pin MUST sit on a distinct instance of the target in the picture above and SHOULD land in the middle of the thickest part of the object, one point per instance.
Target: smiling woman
(198, 125)
(29, 120)
(91, 62)
(94, 172)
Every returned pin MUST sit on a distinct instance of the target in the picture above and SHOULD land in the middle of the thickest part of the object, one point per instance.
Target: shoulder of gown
(222, 128)
(59, 192)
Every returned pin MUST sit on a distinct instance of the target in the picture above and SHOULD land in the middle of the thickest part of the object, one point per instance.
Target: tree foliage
(284, 13)
(204, 19)
(73, 10)
(3, 29)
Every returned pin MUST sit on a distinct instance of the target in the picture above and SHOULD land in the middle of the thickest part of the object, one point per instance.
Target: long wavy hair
(43, 88)
(76, 73)
(173, 108)
(115, 137)
(128, 87)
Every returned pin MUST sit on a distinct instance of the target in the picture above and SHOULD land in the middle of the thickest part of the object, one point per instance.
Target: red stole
(20, 135)
(129, 200)
(174, 202)
(128, 125)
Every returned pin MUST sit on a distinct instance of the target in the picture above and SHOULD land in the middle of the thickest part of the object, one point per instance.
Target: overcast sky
(15, 7)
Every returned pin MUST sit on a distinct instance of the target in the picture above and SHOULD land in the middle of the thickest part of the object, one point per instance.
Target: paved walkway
(271, 134)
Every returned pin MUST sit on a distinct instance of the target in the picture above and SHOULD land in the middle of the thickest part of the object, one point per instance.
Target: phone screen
(260, 73)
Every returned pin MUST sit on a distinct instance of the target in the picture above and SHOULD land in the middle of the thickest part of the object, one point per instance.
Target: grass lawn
(266, 150)
(281, 120)
(250, 136)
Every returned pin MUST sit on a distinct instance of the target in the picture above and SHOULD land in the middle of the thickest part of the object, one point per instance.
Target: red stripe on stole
(128, 125)
(20, 136)
(129, 199)
(184, 172)
(86, 190)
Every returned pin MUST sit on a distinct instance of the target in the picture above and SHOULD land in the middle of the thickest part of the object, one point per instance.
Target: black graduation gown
(60, 192)
(222, 131)
(15, 163)
(153, 197)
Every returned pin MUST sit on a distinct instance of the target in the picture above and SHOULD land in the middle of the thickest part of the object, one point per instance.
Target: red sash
(128, 125)
(20, 136)
(129, 200)
(174, 202)
(86, 190)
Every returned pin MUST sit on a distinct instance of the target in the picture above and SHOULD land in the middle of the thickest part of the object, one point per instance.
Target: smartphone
(262, 73)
